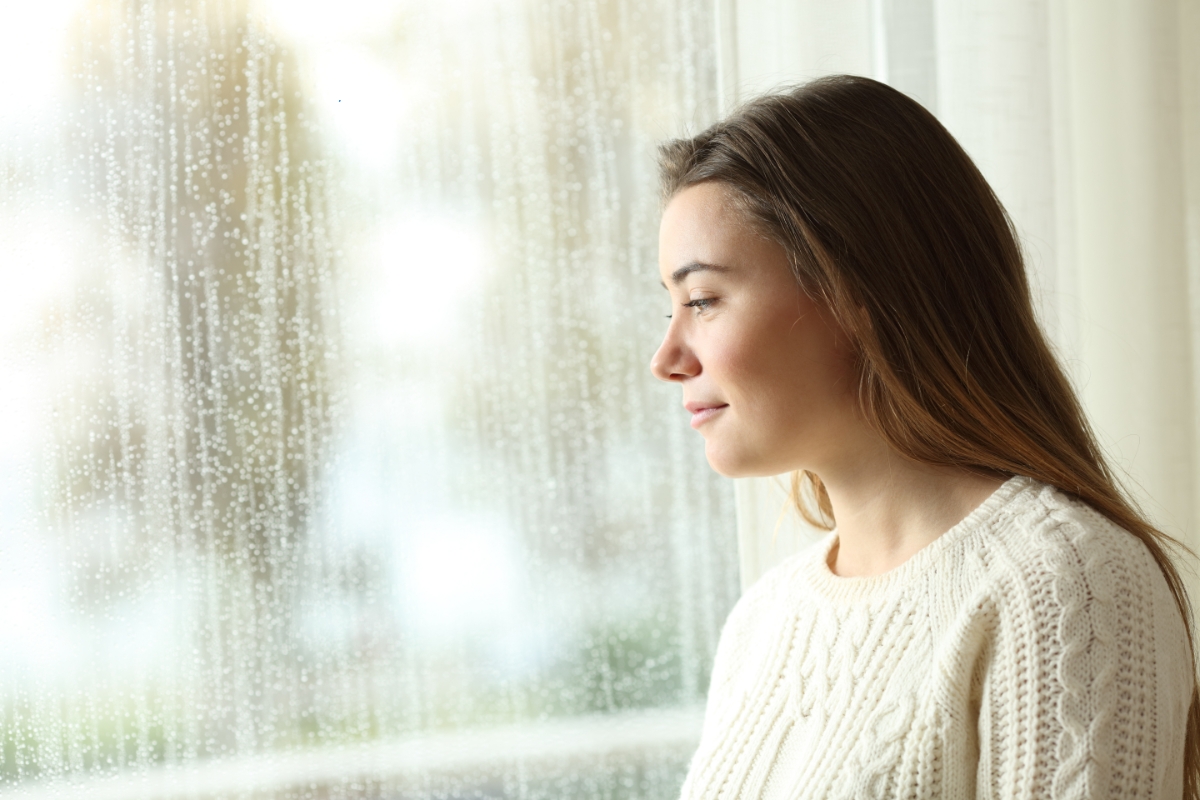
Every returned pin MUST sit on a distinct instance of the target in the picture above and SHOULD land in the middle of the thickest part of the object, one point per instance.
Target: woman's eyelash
(700, 302)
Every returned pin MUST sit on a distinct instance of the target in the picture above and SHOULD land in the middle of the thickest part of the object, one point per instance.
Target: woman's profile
(990, 617)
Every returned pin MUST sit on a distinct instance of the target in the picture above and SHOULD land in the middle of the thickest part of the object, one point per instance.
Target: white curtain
(1085, 118)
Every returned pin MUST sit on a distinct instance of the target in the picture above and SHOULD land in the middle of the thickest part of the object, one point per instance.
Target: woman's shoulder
(1085, 630)
(775, 591)
(759, 616)
(781, 580)
(1053, 562)
(1046, 534)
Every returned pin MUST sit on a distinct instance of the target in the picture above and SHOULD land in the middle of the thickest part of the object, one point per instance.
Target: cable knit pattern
(1032, 651)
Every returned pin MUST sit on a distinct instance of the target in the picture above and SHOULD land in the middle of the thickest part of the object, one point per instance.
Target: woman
(990, 617)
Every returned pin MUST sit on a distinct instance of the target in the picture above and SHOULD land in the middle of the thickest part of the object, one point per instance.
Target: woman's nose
(674, 361)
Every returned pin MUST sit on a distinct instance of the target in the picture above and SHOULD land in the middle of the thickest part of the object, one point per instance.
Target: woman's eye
(700, 303)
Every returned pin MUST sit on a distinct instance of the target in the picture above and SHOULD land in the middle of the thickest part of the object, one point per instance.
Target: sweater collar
(837, 589)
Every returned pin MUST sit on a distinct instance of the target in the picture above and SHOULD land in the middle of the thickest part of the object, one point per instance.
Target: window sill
(634, 734)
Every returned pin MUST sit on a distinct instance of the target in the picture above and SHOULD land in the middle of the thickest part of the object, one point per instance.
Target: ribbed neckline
(839, 589)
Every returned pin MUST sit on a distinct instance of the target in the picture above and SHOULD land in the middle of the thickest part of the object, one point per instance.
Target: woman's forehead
(701, 224)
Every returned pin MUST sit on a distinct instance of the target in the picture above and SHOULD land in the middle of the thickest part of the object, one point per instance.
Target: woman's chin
(735, 464)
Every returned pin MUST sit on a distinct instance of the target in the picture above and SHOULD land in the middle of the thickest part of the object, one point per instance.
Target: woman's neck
(888, 507)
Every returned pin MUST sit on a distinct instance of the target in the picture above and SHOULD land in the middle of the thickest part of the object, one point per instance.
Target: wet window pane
(330, 463)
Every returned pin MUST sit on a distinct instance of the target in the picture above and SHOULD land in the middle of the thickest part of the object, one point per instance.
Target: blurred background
(330, 462)
(329, 444)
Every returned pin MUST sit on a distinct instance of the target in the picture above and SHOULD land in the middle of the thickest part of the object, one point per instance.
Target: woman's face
(765, 371)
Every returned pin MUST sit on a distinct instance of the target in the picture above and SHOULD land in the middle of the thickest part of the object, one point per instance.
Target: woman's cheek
(734, 360)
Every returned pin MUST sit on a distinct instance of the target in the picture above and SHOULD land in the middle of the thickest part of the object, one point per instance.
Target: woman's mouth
(703, 412)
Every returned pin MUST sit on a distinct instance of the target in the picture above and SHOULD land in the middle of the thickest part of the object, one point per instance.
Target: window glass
(330, 462)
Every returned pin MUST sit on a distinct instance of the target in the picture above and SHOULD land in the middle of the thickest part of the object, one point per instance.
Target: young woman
(990, 617)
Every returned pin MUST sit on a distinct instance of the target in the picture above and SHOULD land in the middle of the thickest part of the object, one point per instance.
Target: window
(331, 465)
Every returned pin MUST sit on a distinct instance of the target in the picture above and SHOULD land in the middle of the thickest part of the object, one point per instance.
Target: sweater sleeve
(1085, 691)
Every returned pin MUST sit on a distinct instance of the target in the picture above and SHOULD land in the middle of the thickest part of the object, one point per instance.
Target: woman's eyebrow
(695, 266)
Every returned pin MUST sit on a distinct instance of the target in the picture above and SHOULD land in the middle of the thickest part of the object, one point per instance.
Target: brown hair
(886, 220)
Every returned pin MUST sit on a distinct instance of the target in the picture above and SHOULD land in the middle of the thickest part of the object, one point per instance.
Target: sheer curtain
(331, 464)
(1085, 118)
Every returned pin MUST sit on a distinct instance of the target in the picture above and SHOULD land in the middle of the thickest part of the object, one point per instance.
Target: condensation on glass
(330, 463)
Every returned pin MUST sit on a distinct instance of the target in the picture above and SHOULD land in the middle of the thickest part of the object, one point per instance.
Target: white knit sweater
(1032, 651)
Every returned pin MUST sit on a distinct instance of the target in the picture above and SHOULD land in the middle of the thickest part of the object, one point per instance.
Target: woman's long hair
(886, 220)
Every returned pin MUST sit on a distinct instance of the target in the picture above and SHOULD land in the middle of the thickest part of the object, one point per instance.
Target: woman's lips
(702, 413)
